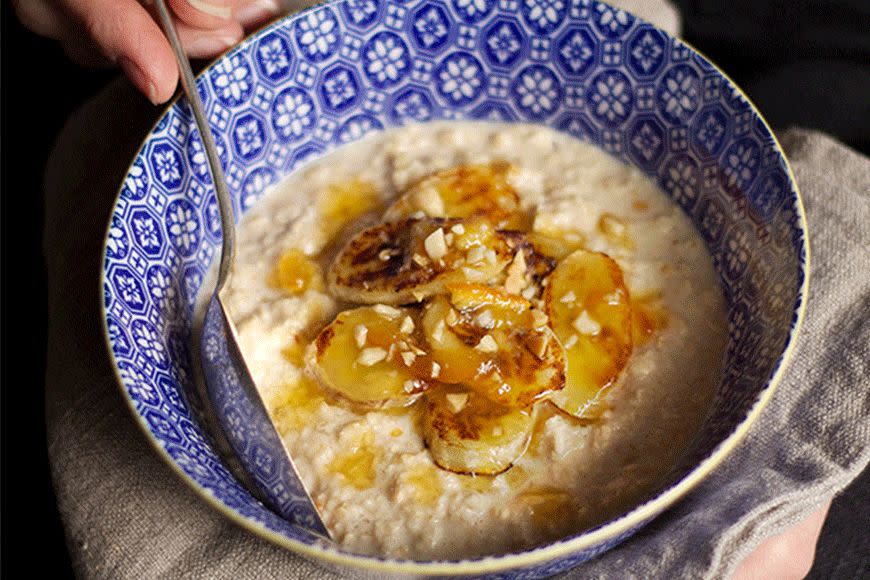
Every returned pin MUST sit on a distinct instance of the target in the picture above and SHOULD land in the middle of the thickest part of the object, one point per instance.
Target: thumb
(127, 34)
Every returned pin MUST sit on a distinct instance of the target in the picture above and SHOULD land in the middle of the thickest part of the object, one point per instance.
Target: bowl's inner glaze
(330, 75)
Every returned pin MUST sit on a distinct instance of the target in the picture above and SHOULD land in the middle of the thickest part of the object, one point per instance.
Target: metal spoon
(231, 390)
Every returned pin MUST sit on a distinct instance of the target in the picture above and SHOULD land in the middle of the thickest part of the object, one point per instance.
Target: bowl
(329, 75)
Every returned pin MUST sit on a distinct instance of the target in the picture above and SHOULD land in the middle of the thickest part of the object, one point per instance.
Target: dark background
(802, 62)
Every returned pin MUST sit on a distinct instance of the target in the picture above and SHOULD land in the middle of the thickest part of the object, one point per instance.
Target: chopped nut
(408, 358)
(409, 386)
(529, 292)
(384, 255)
(388, 311)
(475, 254)
(420, 260)
(572, 340)
(504, 389)
(568, 297)
(520, 261)
(458, 229)
(539, 318)
(473, 275)
(491, 256)
(614, 297)
(448, 238)
(452, 317)
(586, 325)
(457, 401)
(407, 326)
(435, 244)
(516, 274)
(436, 369)
(370, 356)
(485, 319)
(487, 344)
(429, 200)
(438, 333)
(418, 296)
(360, 335)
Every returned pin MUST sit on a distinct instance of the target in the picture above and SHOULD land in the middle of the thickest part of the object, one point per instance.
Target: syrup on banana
(493, 343)
(467, 433)
(412, 259)
(478, 191)
(479, 319)
(373, 357)
(589, 309)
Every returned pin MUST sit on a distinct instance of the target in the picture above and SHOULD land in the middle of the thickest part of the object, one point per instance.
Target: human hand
(787, 556)
(126, 33)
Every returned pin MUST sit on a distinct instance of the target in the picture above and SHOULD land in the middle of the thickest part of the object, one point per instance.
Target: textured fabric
(127, 515)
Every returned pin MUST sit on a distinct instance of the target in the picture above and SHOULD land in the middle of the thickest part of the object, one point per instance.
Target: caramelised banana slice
(409, 260)
(465, 191)
(372, 356)
(556, 245)
(468, 433)
(495, 344)
(589, 309)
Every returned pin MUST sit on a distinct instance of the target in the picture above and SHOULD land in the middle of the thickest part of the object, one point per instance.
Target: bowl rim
(609, 530)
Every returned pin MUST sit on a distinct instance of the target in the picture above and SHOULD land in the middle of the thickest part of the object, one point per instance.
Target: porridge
(476, 338)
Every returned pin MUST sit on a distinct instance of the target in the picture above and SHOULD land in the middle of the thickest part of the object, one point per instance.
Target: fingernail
(205, 46)
(214, 9)
(138, 77)
(257, 12)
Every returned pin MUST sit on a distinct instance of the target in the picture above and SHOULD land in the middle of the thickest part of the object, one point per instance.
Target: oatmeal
(475, 338)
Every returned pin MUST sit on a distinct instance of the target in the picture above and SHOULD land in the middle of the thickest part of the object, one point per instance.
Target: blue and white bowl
(331, 74)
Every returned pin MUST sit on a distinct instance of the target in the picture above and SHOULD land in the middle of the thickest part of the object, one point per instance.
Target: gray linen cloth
(127, 515)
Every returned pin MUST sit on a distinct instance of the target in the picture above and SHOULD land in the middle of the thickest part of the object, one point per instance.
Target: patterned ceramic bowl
(330, 75)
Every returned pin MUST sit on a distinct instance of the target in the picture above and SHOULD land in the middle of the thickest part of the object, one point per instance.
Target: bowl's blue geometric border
(331, 74)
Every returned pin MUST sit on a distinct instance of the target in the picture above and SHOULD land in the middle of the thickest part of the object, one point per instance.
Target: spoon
(231, 390)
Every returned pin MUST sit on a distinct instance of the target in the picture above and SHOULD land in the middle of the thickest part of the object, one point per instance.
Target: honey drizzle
(425, 482)
(648, 317)
(294, 273)
(296, 405)
(357, 464)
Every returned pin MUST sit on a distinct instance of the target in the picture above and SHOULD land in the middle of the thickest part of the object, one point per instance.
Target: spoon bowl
(246, 423)
(230, 388)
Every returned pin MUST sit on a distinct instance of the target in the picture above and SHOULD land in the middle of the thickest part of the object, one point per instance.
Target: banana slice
(589, 309)
(372, 356)
(467, 433)
(556, 244)
(495, 344)
(408, 260)
(461, 192)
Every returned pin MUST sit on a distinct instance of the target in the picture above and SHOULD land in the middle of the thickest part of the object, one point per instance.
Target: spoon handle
(188, 83)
